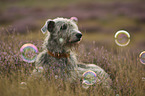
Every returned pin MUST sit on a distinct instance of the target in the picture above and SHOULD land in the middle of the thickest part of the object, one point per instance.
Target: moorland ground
(20, 23)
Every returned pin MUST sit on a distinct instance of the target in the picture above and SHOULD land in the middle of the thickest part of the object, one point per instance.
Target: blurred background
(98, 20)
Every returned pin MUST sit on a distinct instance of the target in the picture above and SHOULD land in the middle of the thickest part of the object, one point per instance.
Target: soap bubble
(89, 77)
(122, 38)
(29, 52)
(142, 57)
(23, 85)
(74, 18)
(39, 69)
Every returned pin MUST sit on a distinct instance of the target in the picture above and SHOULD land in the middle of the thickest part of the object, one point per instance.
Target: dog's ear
(49, 25)
(75, 19)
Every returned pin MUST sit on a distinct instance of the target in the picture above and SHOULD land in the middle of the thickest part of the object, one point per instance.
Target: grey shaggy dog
(59, 58)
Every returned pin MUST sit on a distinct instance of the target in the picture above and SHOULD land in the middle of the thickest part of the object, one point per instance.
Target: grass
(121, 63)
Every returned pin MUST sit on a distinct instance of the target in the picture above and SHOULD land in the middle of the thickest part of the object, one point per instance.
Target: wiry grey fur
(63, 41)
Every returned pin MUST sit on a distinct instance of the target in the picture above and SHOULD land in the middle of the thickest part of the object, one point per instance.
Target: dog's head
(63, 31)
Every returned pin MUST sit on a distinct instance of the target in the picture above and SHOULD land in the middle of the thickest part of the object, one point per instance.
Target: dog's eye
(63, 27)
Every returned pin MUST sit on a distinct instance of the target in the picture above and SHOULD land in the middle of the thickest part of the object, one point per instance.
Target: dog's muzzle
(79, 35)
(76, 38)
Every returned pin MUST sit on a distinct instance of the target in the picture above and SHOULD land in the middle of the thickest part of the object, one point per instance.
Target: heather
(121, 63)
(21, 21)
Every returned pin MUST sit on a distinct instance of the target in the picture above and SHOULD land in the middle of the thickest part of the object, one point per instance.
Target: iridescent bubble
(143, 78)
(142, 57)
(39, 69)
(122, 38)
(89, 77)
(23, 85)
(74, 18)
(117, 94)
(29, 52)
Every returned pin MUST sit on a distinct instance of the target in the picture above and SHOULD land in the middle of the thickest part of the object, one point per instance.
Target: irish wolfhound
(58, 58)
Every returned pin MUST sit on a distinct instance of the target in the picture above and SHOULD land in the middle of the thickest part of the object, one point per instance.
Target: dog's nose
(78, 35)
